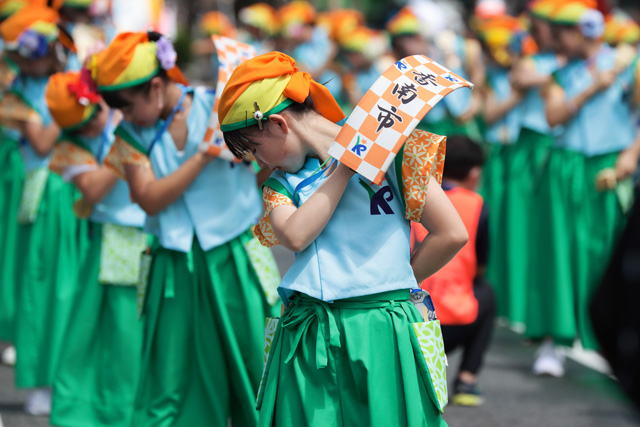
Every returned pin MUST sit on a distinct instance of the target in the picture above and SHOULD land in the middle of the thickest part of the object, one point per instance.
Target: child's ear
(157, 83)
(280, 121)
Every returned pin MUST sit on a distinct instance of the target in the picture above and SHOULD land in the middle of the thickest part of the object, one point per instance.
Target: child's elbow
(458, 238)
(294, 244)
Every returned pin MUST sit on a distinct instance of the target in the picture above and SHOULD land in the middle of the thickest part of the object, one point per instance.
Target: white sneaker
(9, 356)
(38, 402)
(549, 361)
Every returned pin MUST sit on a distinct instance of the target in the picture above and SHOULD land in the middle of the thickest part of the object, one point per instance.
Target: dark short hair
(240, 141)
(463, 154)
(120, 98)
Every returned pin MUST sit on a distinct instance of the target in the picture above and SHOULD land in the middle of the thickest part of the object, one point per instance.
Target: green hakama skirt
(11, 177)
(49, 255)
(522, 174)
(97, 376)
(493, 190)
(580, 225)
(349, 363)
(203, 338)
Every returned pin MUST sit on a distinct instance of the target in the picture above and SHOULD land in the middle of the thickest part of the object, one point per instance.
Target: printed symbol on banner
(401, 65)
(218, 139)
(386, 118)
(451, 78)
(405, 93)
(424, 79)
(359, 148)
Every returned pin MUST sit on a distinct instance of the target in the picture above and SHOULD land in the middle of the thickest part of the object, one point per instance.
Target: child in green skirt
(344, 351)
(97, 375)
(204, 307)
(50, 236)
(586, 184)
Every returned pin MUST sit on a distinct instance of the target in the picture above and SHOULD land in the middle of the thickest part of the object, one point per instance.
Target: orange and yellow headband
(217, 23)
(132, 59)
(267, 84)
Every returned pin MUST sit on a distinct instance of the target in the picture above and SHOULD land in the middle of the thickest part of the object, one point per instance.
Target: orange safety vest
(451, 287)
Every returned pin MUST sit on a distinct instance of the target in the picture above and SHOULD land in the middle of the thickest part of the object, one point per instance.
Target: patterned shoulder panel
(422, 158)
(264, 230)
(66, 154)
(8, 72)
(123, 153)
(14, 111)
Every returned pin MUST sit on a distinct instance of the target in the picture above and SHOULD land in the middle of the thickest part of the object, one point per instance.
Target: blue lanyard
(310, 180)
(167, 122)
(105, 136)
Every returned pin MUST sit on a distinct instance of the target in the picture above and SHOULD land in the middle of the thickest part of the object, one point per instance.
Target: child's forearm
(95, 185)
(153, 195)
(297, 228)
(447, 233)
(435, 252)
(497, 110)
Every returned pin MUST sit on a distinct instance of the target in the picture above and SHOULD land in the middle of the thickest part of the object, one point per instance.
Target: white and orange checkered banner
(390, 111)
(231, 53)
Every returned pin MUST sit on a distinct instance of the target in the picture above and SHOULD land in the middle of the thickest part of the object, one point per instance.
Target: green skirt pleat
(604, 222)
(203, 338)
(49, 257)
(577, 228)
(97, 376)
(522, 174)
(11, 177)
(348, 363)
(493, 188)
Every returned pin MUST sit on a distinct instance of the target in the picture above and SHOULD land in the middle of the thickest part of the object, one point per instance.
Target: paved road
(583, 398)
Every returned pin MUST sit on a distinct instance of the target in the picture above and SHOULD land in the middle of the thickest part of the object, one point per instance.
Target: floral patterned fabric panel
(123, 153)
(271, 324)
(33, 187)
(431, 344)
(263, 230)
(423, 158)
(266, 268)
(120, 254)
(66, 154)
(14, 111)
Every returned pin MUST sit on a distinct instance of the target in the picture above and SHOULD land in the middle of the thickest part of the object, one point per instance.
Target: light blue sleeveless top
(365, 247)
(533, 115)
(606, 122)
(31, 90)
(507, 129)
(220, 204)
(116, 207)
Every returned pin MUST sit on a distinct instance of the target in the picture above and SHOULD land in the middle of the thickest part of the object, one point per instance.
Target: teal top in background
(506, 129)
(606, 123)
(220, 204)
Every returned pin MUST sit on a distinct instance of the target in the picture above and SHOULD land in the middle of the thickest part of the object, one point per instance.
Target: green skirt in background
(492, 188)
(49, 255)
(581, 226)
(349, 363)
(523, 173)
(97, 376)
(11, 177)
(203, 339)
